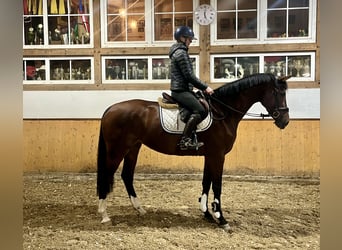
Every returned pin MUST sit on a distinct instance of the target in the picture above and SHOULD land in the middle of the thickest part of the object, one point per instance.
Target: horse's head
(275, 102)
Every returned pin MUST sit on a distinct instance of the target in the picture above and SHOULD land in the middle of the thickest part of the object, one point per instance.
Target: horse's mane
(235, 87)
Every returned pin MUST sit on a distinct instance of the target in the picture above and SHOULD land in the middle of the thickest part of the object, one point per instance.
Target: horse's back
(129, 115)
(128, 107)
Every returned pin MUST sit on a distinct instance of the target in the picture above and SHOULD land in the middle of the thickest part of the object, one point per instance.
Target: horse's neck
(244, 102)
(248, 99)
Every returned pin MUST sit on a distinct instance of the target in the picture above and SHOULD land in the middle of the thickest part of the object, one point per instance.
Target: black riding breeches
(189, 101)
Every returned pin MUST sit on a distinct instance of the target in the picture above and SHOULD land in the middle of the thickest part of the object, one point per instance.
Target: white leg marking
(203, 203)
(102, 211)
(102, 206)
(216, 214)
(136, 204)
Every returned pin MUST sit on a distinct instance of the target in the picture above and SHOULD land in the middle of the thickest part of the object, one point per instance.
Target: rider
(183, 80)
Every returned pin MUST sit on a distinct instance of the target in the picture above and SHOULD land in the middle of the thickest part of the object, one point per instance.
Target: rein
(238, 111)
(275, 114)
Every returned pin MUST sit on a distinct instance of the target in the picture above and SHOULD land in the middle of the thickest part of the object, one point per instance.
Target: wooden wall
(260, 149)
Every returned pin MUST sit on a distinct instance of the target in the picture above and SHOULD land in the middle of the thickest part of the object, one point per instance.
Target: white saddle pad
(171, 122)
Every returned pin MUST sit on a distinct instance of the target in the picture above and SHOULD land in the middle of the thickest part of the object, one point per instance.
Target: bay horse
(125, 126)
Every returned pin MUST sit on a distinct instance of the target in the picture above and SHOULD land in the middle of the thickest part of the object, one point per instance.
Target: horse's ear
(284, 78)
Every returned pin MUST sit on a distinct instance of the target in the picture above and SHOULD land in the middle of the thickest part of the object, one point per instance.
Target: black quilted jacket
(182, 76)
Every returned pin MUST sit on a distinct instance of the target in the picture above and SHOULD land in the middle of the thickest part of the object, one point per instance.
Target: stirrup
(195, 141)
(188, 144)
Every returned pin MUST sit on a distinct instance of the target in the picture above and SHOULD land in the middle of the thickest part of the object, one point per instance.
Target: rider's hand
(209, 90)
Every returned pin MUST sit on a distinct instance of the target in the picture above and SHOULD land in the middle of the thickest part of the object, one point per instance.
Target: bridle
(274, 114)
(278, 110)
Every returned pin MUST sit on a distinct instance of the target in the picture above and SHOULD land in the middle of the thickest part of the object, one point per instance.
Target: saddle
(169, 99)
(173, 117)
(172, 103)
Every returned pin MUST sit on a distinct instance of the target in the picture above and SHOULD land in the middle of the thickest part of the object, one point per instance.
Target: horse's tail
(104, 183)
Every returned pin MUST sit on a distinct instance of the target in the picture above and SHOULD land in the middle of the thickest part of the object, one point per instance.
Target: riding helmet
(184, 31)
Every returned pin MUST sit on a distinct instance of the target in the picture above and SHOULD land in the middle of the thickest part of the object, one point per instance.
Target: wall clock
(205, 14)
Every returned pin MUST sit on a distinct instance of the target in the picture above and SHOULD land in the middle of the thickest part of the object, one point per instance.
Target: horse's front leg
(203, 200)
(216, 205)
(215, 166)
(217, 214)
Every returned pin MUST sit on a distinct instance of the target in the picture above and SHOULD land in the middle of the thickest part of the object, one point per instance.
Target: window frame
(261, 65)
(45, 17)
(48, 79)
(149, 28)
(262, 28)
(149, 79)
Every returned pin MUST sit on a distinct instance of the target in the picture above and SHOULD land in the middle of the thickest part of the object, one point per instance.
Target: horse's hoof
(141, 211)
(137, 206)
(105, 220)
(226, 228)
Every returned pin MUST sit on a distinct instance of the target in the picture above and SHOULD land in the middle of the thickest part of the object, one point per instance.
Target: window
(256, 21)
(237, 19)
(141, 22)
(287, 18)
(51, 23)
(226, 68)
(232, 67)
(34, 69)
(59, 33)
(125, 20)
(58, 70)
(134, 68)
(137, 69)
(168, 15)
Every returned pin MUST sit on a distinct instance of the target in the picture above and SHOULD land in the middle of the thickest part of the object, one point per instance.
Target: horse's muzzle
(281, 117)
(282, 121)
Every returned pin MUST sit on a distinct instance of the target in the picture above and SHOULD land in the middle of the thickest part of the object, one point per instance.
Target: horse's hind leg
(127, 175)
(112, 165)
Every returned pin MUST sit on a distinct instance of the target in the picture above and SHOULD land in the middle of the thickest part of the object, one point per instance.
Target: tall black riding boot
(186, 141)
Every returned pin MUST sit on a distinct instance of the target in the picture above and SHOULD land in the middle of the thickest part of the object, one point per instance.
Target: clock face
(205, 14)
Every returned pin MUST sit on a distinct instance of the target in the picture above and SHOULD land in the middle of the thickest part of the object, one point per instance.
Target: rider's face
(187, 41)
